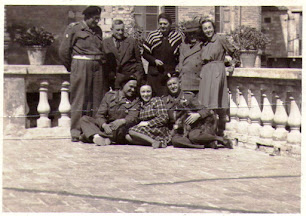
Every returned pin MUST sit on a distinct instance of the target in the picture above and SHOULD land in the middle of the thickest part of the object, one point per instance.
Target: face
(164, 25)
(118, 31)
(93, 21)
(173, 85)
(129, 88)
(192, 37)
(146, 93)
(208, 29)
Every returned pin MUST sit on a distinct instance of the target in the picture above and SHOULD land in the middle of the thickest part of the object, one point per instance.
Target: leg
(183, 142)
(221, 121)
(139, 136)
(134, 140)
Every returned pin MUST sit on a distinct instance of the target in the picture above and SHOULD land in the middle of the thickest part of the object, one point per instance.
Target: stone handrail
(265, 103)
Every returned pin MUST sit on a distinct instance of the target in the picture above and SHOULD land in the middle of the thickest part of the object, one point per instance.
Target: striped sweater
(154, 39)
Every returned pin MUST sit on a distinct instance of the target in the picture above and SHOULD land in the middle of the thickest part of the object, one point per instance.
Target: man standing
(123, 55)
(82, 54)
(117, 113)
(161, 51)
(201, 121)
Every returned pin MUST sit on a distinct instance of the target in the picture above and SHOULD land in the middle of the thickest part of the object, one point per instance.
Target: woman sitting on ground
(153, 118)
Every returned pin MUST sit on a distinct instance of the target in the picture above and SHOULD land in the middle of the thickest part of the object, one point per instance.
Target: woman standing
(213, 85)
(190, 62)
(153, 118)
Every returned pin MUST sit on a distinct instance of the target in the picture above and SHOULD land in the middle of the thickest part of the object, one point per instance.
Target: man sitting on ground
(118, 111)
(201, 121)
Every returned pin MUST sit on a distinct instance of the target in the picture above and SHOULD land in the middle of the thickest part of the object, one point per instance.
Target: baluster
(232, 124)
(294, 121)
(243, 114)
(267, 115)
(254, 115)
(43, 107)
(64, 107)
(280, 120)
(27, 110)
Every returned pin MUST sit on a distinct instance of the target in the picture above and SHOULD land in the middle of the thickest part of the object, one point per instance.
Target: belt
(211, 61)
(87, 57)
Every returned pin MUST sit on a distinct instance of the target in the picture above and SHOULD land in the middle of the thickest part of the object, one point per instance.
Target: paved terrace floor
(60, 176)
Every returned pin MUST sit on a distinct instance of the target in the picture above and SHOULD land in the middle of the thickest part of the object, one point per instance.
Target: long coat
(124, 61)
(189, 66)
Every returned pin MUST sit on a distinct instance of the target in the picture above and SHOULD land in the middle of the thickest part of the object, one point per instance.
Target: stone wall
(189, 12)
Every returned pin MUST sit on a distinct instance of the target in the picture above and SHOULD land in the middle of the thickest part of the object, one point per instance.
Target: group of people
(182, 100)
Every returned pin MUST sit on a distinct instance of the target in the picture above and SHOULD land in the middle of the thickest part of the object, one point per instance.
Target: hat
(92, 10)
(191, 26)
(125, 79)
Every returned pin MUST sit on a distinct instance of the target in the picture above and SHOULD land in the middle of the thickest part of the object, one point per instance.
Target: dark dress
(213, 92)
(156, 114)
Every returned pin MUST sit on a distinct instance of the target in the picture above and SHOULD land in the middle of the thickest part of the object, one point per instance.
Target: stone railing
(265, 105)
(45, 80)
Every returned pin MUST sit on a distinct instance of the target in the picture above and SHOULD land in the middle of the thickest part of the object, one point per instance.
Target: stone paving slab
(56, 175)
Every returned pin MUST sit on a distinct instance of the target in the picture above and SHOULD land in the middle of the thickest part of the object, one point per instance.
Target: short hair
(117, 22)
(165, 16)
(209, 20)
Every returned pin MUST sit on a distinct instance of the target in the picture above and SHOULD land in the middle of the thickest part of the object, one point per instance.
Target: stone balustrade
(265, 109)
(265, 105)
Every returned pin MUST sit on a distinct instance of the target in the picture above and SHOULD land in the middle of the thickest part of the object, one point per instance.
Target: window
(146, 18)
(172, 12)
(218, 18)
(267, 19)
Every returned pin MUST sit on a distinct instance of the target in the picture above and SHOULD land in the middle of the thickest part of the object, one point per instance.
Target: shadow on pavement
(65, 193)
(221, 179)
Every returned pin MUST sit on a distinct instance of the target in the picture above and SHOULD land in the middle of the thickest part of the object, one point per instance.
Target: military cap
(191, 26)
(92, 10)
(125, 79)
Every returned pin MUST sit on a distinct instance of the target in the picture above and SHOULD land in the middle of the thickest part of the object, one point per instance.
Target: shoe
(75, 139)
(228, 144)
(107, 141)
(156, 145)
(214, 145)
(98, 140)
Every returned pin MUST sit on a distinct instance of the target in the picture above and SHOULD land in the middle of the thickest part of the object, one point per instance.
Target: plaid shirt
(154, 112)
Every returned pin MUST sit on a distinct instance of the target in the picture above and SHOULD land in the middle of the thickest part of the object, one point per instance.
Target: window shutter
(171, 11)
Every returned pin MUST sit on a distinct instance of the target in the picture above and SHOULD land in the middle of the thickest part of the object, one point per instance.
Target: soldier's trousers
(87, 88)
(196, 139)
(90, 128)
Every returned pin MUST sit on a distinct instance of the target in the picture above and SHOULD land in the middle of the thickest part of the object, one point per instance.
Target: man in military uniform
(201, 121)
(122, 55)
(81, 52)
(117, 113)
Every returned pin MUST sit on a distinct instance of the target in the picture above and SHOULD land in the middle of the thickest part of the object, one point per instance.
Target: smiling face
(129, 88)
(173, 85)
(146, 93)
(118, 31)
(208, 29)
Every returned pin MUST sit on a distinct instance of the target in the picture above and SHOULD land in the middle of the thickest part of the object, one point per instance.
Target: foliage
(34, 36)
(248, 38)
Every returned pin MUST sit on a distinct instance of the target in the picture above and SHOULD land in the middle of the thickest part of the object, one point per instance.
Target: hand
(231, 69)
(159, 62)
(193, 117)
(107, 128)
(143, 123)
(116, 124)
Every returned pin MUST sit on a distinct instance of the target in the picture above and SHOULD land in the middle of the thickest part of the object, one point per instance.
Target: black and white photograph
(152, 107)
